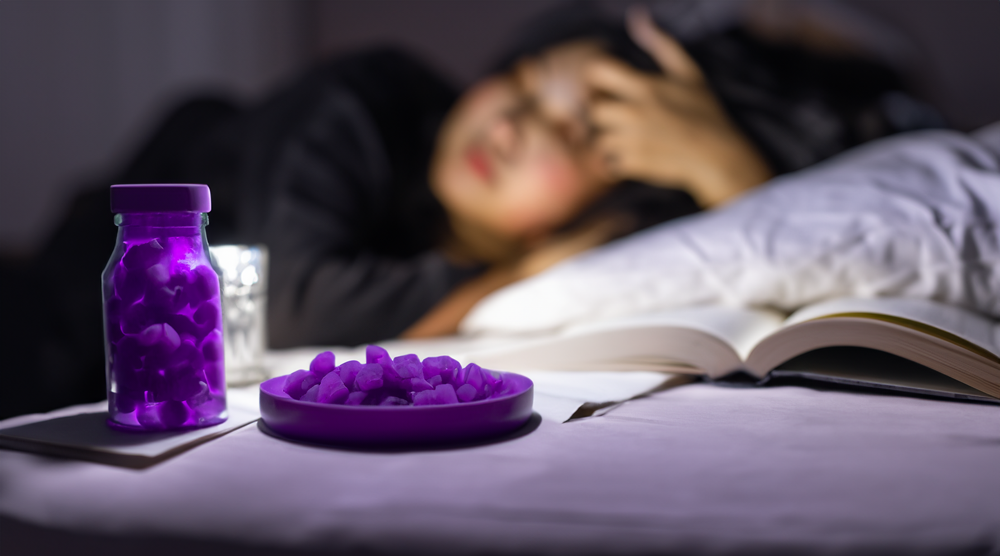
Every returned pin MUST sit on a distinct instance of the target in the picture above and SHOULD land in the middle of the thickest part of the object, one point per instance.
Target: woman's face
(512, 155)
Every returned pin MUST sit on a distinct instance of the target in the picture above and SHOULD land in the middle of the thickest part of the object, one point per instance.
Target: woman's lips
(480, 163)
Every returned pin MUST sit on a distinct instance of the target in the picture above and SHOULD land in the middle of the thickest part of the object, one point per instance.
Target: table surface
(692, 470)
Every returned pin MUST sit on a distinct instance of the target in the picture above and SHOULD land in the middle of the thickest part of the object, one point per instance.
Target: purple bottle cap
(160, 197)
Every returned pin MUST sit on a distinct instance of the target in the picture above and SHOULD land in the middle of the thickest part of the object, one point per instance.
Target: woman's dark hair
(579, 20)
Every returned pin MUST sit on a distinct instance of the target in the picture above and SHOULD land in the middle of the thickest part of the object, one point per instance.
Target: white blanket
(915, 215)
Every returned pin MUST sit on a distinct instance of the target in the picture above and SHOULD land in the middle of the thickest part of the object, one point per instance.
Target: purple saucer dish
(375, 425)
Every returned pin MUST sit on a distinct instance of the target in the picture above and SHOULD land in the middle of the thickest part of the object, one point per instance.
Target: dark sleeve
(333, 183)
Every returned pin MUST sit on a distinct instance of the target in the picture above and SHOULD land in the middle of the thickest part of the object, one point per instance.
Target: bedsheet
(915, 215)
(699, 469)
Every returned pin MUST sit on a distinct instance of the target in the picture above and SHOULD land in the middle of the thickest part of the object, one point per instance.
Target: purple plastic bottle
(162, 312)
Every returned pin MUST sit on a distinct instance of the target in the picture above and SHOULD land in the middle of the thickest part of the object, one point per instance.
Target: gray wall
(82, 81)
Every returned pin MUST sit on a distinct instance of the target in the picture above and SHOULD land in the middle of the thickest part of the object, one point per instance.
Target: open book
(933, 349)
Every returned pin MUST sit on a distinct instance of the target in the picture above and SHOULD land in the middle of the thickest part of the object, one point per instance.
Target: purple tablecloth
(699, 469)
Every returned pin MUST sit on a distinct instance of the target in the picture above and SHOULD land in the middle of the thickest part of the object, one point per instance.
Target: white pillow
(914, 215)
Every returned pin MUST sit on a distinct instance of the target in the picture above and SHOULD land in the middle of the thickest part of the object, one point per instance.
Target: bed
(694, 469)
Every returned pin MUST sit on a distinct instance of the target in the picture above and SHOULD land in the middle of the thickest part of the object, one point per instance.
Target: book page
(967, 325)
(703, 340)
(739, 328)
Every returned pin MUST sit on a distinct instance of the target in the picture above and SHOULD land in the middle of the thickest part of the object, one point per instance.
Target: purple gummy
(211, 408)
(204, 285)
(493, 378)
(191, 392)
(373, 354)
(322, 364)
(293, 384)
(416, 385)
(162, 300)
(311, 394)
(442, 366)
(136, 318)
(408, 366)
(435, 380)
(355, 398)
(157, 276)
(148, 416)
(183, 325)
(444, 394)
(348, 373)
(173, 414)
(369, 377)
(460, 377)
(129, 347)
(161, 335)
(426, 397)
(125, 402)
(187, 358)
(216, 375)
(332, 389)
(129, 286)
(207, 315)
(393, 400)
(466, 393)
(143, 255)
(184, 386)
(212, 346)
(474, 376)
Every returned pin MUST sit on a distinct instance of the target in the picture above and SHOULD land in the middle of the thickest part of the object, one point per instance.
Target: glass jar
(162, 311)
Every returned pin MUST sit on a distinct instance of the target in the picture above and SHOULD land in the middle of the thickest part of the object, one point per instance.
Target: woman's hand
(668, 129)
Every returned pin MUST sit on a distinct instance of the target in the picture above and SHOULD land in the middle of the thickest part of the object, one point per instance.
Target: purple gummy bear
(369, 377)
(442, 366)
(322, 364)
(295, 385)
(393, 400)
(311, 394)
(466, 393)
(408, 366)
(332, 389)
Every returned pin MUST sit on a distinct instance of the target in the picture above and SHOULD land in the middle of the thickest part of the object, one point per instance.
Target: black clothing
(350, 220)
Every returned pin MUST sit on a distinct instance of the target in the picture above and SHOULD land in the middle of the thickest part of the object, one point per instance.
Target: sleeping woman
(391, 206)
(391, 203)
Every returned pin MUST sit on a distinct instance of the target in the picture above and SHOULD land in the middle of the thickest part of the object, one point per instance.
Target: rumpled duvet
(915, 215)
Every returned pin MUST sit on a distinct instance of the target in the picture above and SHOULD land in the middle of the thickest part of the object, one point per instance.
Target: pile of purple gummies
(164, 334)
(381, 380)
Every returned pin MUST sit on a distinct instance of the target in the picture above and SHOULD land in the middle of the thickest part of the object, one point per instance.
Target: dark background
(83, 81)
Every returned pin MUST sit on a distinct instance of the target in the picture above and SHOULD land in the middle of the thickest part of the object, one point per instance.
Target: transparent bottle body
(164, 353)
